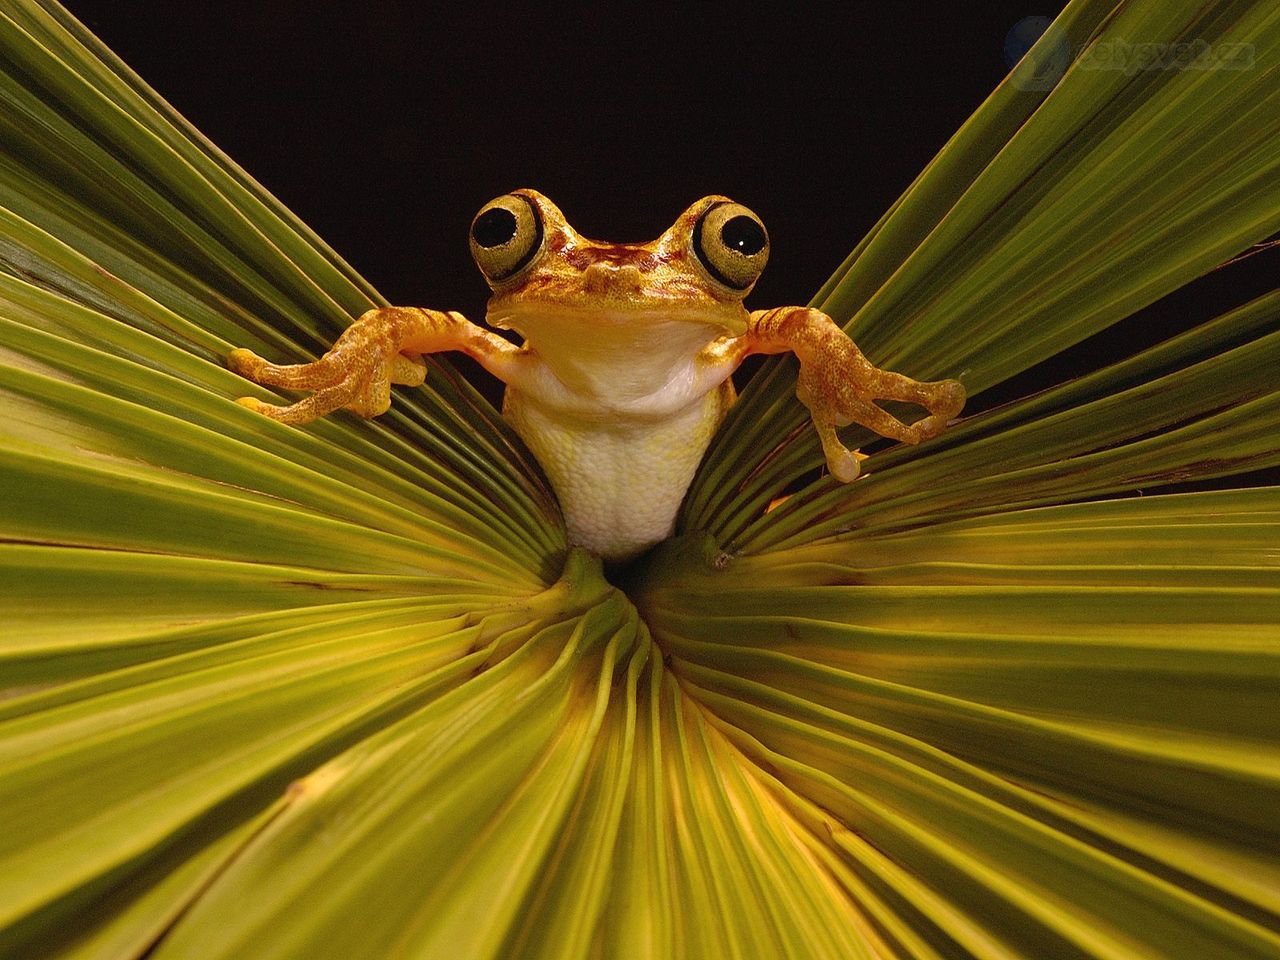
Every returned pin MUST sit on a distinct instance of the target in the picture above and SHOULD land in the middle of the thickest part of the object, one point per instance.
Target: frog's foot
(838, 400)
(357, 373)
(840, 386)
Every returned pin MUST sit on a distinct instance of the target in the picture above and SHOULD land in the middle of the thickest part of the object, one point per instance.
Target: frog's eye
(732, 244)
(505, 236)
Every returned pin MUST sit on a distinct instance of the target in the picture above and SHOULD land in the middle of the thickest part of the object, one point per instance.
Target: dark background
(386, 125)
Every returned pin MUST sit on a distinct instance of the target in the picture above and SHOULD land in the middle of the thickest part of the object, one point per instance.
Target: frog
(623, 372)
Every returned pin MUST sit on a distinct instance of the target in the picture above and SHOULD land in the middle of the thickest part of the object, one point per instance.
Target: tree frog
(624, 371)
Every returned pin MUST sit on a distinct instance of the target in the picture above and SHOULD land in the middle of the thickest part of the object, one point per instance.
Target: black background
(386, 125)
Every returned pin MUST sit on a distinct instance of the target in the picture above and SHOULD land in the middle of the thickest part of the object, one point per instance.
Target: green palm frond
(1050, 216)
(344, 691)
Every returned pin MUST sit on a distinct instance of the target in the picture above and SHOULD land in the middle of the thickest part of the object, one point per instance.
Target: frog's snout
(612, 278)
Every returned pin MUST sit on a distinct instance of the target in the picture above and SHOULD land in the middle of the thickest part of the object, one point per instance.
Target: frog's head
(696, 273)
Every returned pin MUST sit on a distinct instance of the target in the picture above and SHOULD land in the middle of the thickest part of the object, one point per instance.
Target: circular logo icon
(1051, 59)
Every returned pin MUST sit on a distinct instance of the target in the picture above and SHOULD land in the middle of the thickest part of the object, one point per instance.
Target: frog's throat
(647, 359)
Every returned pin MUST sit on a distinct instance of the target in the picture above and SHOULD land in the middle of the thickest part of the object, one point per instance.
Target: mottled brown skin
(840, 386)
(597, 320)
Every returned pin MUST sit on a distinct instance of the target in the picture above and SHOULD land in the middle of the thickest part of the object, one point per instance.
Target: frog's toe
(256, 405)
(373, 396)
(944, 401)
(309, 408)
(284, 414)
(294, 376)
(408, 371)
(245, 362)
(843, 463)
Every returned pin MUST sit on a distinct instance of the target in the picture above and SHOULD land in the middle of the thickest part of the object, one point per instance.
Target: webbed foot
(355, 374)
(840, 386)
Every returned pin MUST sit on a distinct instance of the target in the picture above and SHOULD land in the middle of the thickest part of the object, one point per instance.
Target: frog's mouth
(617, 354)
(617, 293)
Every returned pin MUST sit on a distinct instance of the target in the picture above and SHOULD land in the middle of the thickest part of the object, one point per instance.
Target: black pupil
(742, 234)
(494, 227)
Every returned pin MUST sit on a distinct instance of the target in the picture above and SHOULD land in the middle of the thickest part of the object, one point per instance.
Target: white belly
(619, 479)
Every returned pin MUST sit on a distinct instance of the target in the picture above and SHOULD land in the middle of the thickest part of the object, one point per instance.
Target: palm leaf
(1081, 215)
(343, 691)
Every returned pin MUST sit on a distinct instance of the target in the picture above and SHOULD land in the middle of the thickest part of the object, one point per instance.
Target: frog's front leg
(384, 346)
(841, 386)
